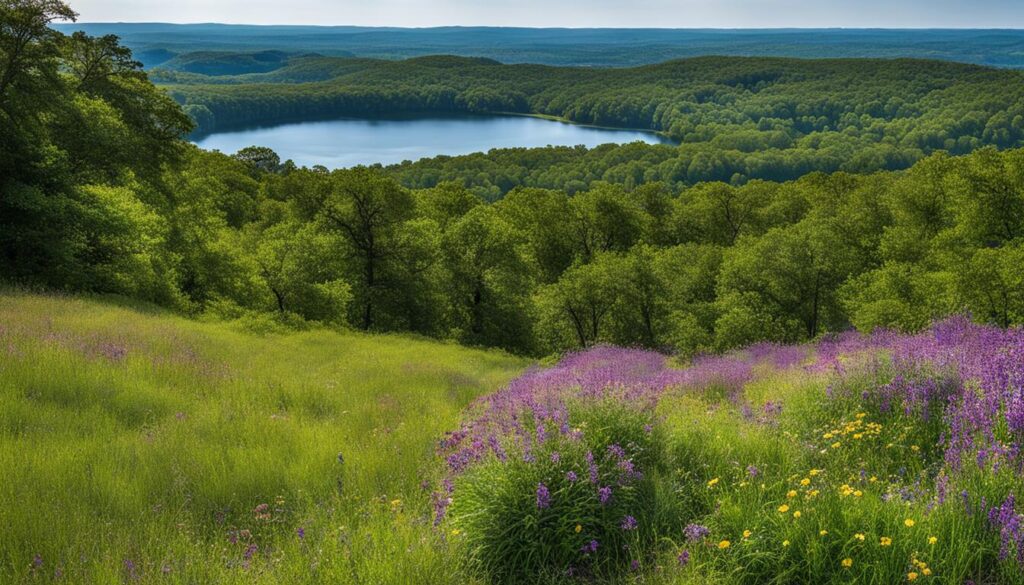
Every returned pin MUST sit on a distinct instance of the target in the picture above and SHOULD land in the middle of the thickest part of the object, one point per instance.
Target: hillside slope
(136, 444)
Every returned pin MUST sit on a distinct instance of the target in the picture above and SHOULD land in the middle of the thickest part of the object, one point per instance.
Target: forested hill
(737, 117)
(155, 43)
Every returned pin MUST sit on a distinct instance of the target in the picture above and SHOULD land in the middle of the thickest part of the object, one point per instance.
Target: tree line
(100, 193)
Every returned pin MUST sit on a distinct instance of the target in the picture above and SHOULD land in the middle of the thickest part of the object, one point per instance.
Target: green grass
(137, 445)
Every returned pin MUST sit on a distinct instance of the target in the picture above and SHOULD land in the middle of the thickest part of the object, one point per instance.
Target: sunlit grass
(138, 445)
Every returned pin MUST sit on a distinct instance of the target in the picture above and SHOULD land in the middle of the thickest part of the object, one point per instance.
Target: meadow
(138, 446)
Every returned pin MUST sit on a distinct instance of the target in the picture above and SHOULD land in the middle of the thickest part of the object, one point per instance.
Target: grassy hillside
(139, 447)
(138, 444)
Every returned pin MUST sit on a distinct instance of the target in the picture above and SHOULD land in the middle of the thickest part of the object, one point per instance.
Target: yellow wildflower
(712, 482)
(836, 445)
(823, 533)
(847, 562)
(885, 541)
(456, 531)
(791, 494)
(932, 540)
(915, 448)
(858, 493)
(911, 576)
(747, 533)
(783, 509)
(815, 472)
(909, 523)
(796, 514)
(724, 544)
(859, 536)
(926, 571)
(785, 543)
(805, 481)
(579, 528)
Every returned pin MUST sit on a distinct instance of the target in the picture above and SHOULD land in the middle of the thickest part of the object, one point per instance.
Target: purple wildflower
(604, 494)
(571, 476)
(696, 532)
(543, 496)
(683, 558)
(629, 523)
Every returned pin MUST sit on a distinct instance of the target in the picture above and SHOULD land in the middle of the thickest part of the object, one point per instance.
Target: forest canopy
(99, 192)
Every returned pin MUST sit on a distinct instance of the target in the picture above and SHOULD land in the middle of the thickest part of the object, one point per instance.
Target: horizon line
(498, 26)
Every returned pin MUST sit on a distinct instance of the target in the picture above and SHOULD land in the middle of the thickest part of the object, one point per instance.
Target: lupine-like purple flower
(683, 558)
(571, 476)
(628, 523)
(543, 496)
(696, 532)
(556, 457)
(604, 494)
(301, 532)
(590, 547)
(752, 470)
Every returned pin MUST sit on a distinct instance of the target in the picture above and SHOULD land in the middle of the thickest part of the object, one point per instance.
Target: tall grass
(139, 446)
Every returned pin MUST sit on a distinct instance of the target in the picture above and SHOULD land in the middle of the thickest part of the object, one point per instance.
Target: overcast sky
(573, 13)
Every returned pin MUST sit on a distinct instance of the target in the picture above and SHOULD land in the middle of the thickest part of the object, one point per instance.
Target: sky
(570, 13)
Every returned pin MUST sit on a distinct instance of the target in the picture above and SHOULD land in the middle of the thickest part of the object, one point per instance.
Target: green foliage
(515, 534)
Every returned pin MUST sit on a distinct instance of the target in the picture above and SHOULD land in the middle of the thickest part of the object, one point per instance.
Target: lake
(349, 142)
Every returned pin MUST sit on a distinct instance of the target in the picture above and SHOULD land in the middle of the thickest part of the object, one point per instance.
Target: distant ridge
(596, 47)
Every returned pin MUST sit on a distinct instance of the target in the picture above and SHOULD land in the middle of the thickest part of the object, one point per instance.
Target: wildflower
(456, 532)
(712, 482)
(556, 457)
(909, 523)
(857, 493)
(747, 533)
(604, 494)
(301, 532)
(785, 543)
(915, 448)
(859, 536)
(911, 576)
(847, 563)
(796, 514)
(783, 509)
(695, 532)
(873, 479)
(823, 533)
(752, 470)
(791, 494)
(571, 477)
(590, 547)
(543, 496)
(926, 571)
(805, 481)
(579, 528)
(814, 472)
(724, 544)
(629, 523)
(836, 445)
(396, 503)
(683, 558)
(885, 541)
(932, 540)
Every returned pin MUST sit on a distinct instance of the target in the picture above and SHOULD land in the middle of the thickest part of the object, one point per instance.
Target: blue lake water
(350, 142)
